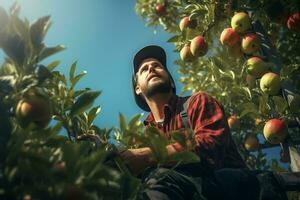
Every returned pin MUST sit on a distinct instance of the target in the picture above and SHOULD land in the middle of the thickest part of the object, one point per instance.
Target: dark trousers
(223, 184)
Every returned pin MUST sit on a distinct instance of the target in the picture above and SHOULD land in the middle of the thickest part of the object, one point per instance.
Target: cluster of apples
(33, 111)
(275, 131)
(258, 68)
(197, 46)
(239, 39)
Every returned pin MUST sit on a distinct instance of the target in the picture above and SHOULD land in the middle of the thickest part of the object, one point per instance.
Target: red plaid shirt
(214, 143)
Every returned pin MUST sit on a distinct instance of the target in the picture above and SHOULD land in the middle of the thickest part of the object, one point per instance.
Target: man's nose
(151, 68)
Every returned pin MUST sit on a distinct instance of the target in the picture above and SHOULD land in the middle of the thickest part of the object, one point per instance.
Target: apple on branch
(198, 46)
(229, 37)
(257, 67)
(186, 22)
(185, 53)
(270, 83)
(33, 111)
(251, 43)
(240, 22)
(275, 131)
(251, 143)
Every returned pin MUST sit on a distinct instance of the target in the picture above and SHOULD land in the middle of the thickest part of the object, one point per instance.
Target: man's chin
(158, 88)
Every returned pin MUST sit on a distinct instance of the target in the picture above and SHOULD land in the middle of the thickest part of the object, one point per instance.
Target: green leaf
(280, 104)
(72, 71)
(53, 65)
(247, 108)
(83, 102)
(38, 30)
(78, 77)
(122, 121)
(93, 114)
(135, 120)
(264, 108)
(176, 38)
(49, 51)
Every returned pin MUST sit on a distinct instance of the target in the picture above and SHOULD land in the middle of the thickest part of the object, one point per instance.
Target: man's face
(152, 78)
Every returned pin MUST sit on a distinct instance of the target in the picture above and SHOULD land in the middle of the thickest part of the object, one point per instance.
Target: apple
(256, 66)
(275, 131)
(33, 111)
(270, 83)
(233, 122)
(250, 80)
(251, 143)
(160, 9)
(198, 46)
(293, 22)
(229, 37)
(240, 22)
(185, 53)
(251, 43)
(187, 23)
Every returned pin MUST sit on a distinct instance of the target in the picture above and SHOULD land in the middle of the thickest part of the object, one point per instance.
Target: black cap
(151, 51)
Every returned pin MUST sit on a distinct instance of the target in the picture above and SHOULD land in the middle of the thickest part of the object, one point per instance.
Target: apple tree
(245, 54)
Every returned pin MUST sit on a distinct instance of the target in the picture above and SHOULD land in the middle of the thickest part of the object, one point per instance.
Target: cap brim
(151, 51)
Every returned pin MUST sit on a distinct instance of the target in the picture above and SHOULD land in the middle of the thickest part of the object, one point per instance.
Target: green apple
(251, 143)
(229, 37)
(185, 53)
(198, 46)
(257, 66)
(270, 83)
(275, 131)
(251, 43)
(240, 22)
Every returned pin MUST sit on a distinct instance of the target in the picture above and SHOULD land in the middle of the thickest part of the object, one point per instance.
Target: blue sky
(102, 35)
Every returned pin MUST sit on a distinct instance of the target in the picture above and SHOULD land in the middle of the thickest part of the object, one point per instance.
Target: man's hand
(138, 159)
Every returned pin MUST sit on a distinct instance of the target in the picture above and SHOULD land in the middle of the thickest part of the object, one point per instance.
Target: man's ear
(138, 90)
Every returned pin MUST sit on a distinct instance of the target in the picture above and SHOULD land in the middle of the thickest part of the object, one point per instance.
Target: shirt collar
(169, 109)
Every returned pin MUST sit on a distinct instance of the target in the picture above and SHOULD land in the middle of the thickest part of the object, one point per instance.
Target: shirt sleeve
(208, 121)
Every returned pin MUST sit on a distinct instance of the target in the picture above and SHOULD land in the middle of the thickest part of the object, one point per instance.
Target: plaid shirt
(214, 144)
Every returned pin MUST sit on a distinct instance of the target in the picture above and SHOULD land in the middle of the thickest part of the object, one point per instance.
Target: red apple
(270, 83)
(33, 111)
(187, 23)
(251, 143)
(233, 122)
(293, 22)
(257, 66)
(160, 9)
(240, 22)
(229, 37)
(185, 53)
(275, 131)
(198, 46)
(251, 43)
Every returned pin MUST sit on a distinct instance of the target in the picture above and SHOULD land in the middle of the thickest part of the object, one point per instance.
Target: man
(155, 92)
